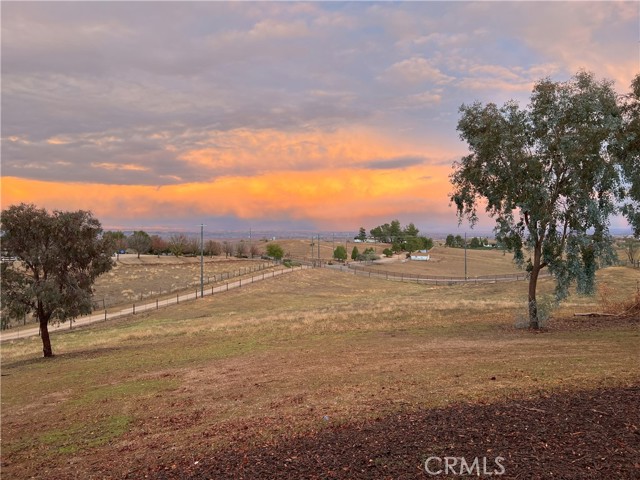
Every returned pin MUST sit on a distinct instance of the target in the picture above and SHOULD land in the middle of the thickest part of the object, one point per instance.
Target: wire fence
(373, 272)
(155, 304)
(115, 300)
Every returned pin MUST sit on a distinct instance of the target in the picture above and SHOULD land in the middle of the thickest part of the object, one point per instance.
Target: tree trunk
(46, 341)
(534, 323)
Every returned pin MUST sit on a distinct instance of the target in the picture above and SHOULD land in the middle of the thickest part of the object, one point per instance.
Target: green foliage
(627, 150)
(427, 243)
(354, 253)
(631, 249)
(368, 255)
(456, 242)
(340, 253)
(387, 252)
(362, 234)
(547, 177)
(275, 251)
(475, 243)
(450, 241)
(61, 255)
(411, 244)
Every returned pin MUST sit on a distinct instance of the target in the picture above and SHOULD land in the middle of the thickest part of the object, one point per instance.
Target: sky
(274, 115)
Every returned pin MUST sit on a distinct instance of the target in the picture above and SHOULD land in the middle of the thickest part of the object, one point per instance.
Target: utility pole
(201, 260)
(318, 246)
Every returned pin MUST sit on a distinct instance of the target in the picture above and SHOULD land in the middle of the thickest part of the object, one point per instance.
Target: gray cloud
(402, 162)
(87, 85)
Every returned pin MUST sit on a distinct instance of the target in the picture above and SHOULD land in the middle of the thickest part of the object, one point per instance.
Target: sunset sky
(274, 115)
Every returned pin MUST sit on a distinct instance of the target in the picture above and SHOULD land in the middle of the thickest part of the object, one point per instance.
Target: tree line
(458, 242)
(179, 245)
(407, 239)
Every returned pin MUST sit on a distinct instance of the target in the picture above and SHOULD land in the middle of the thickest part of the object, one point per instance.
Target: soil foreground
(592, 434)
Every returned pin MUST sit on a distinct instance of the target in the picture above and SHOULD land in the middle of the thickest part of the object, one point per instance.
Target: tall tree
(61, 255)
(362, 234)
(627, 148)
(411, 230)
(354, 253)
(546, 176)
(139, 241)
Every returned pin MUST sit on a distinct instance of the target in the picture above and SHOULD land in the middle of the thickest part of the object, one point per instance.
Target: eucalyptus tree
(547, 175)
(60, 256)
(628, 151)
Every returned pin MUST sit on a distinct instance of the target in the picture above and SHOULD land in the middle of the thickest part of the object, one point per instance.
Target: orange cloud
(331, 198)
(268, 149)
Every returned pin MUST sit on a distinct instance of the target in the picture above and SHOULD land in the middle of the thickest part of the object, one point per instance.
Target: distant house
(421, 258)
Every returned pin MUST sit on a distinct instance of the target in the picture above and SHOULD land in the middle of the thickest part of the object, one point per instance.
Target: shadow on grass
(75, 355)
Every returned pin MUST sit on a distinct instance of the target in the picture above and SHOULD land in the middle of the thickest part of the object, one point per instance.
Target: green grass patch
(81, 436)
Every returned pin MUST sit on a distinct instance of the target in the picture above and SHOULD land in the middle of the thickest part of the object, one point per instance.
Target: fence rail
(105, 302)
(149, 306)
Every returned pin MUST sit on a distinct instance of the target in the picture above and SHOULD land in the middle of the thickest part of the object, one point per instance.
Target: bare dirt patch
(568, 435)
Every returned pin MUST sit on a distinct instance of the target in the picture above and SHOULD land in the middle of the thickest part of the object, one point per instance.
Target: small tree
(362, 234)
(631, 248)
(254, 250)
(354, 253)
(450, 241)
(213, 248)
(178, 244)
(228, 249)
(547, 177)
(340, 253)
(140, 242)
(427, 243)
(192, 246)
(158, 245)
(275, 251)
(118, 239)
(387, 252)
(61, 255)
(241, 249)
(475, 243)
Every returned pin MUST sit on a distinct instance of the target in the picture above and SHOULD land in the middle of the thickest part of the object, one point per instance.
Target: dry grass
(450, 262)
(303, 248)
(148, 277)
(278, 356)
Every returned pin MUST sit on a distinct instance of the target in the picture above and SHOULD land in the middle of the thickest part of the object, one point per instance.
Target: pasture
(316, 352)
(446, 261)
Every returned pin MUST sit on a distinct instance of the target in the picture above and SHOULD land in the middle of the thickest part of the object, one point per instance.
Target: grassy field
(278, 356)
(308, 248)
(450, 262)
(150, 276)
